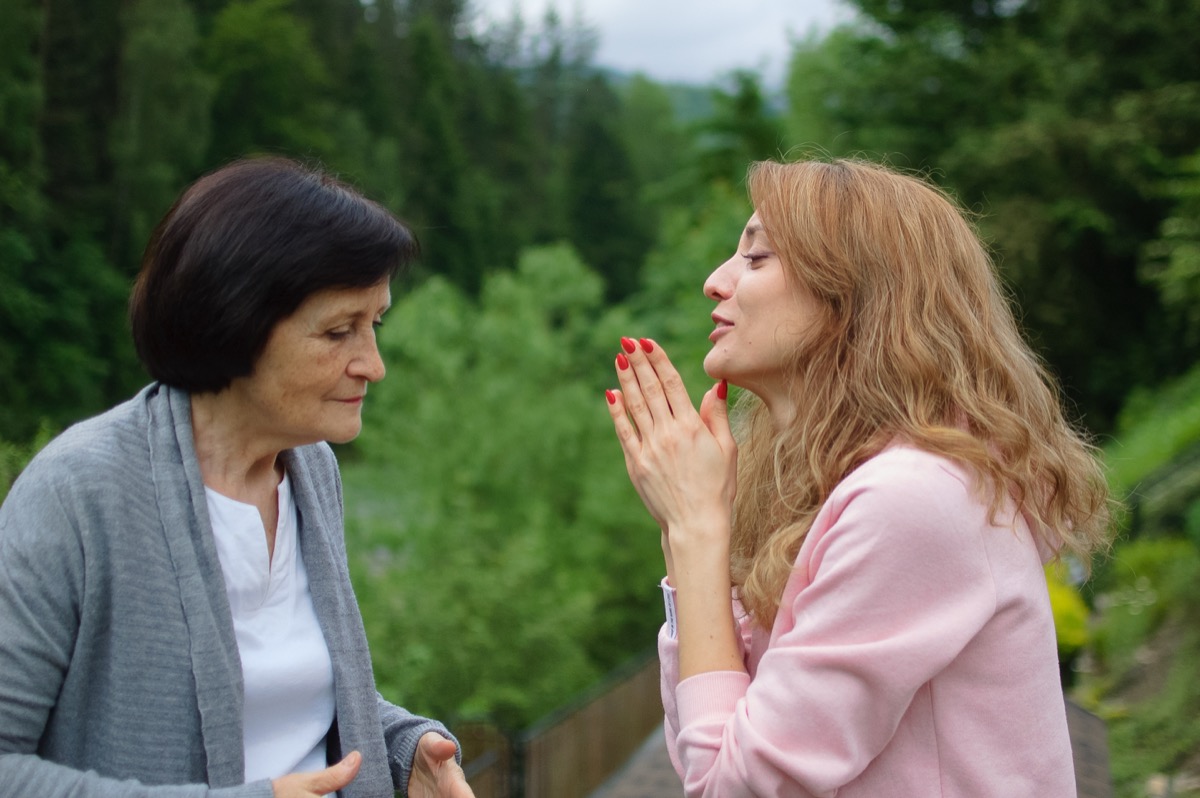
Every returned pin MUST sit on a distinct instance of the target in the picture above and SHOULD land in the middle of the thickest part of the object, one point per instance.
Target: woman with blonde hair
(901, 471)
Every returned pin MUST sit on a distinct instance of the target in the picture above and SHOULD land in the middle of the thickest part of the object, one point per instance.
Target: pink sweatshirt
(913, 656)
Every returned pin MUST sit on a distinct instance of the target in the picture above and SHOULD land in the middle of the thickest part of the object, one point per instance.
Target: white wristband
(669, 607)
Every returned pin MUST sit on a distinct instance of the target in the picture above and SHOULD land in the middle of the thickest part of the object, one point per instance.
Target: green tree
(509, 529)
(660, 148)
(741, 129)
(606, 222)
(272, 85)
(438, 170)
(1171, 262)
(61, 311)
(161, 131)
(1057, 121)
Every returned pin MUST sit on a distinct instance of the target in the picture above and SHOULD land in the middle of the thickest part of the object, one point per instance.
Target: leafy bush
(1146, 646)
(1070, 613)
(1154, 427)
(503, 561)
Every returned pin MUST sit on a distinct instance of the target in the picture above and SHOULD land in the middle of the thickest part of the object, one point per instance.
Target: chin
(343, 435)
(714, 369)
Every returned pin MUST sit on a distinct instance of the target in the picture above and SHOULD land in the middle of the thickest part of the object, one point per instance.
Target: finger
(649, 380)
(714, 412)
(627, 434)
(674, 391)
(632, 397)
(335, 777)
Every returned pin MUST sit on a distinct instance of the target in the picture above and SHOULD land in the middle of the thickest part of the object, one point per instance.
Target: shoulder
(903, 477)
(905, 496)
(98, 453)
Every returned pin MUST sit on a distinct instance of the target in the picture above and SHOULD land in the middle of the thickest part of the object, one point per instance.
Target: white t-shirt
(288, 675)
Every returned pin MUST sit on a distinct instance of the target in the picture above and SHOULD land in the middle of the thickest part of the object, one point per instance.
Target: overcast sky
(691, 41)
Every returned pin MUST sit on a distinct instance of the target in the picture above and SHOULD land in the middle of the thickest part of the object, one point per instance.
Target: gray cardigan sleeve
(402, 730)
(42, 583)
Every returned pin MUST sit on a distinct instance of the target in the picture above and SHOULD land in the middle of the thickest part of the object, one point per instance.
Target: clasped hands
(683, 463)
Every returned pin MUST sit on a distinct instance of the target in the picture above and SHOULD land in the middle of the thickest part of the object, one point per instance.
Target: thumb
(714, 411)
(335, 777)
(437, 747)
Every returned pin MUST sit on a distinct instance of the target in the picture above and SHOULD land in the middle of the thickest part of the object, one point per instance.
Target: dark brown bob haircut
(239, 251)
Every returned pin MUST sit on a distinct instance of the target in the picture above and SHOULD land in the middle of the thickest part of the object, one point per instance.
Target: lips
(723, 326)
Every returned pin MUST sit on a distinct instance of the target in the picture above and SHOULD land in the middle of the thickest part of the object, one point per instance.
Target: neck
(779, 402)
(234, 461)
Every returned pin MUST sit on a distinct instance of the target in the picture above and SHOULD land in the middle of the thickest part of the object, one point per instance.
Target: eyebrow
(752, 231)
(339, 314)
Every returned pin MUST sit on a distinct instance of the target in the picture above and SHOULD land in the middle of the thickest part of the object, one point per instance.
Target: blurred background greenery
(502, 561)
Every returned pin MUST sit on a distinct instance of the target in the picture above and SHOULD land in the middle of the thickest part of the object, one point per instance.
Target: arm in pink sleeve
(891, 583)
(668, 659)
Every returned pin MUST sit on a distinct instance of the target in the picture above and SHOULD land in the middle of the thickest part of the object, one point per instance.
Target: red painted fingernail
(628, 345)
(722, 389)
(622, 362)
(647, 345)
(611, 397)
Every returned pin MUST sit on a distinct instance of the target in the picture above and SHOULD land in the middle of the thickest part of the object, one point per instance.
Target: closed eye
(755, 257)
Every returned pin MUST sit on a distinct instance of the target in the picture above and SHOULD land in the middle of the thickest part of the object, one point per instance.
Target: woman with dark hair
(176, 615)
(899, 470)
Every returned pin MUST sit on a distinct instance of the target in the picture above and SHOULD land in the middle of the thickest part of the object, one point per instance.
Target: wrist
(697, 534)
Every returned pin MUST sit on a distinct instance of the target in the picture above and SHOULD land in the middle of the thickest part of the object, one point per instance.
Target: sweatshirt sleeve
(890, 585)
(668, 659)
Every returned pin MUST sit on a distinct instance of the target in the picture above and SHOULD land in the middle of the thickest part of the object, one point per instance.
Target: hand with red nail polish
(683, 462)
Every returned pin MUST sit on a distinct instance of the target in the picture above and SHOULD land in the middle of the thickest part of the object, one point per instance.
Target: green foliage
(161, 131)
(1070, 614)
(1062, 123)
(1147, 641)
(1153, 428)
(508, 564)
(742, 128)
(1172, 261)
(602, 211)
(20, 82)
(271, 82)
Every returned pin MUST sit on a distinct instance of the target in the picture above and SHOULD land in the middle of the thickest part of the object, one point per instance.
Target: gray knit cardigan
(119, 670)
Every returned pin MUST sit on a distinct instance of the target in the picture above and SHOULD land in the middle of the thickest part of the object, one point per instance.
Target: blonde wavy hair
(917, 342)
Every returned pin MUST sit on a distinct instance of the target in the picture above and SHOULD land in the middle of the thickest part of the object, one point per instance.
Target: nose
(719, 284)
(368, 364)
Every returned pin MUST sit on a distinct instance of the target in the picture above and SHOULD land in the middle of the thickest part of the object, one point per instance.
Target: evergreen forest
(502, 561)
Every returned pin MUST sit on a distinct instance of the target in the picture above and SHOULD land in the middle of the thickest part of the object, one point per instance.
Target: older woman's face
(309, 383)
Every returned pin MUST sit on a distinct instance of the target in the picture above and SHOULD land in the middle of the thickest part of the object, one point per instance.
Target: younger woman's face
(761, 317)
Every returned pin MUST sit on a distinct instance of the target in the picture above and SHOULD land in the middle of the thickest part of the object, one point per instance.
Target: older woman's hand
(435, 774)
(683, 463)
(319, 782)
